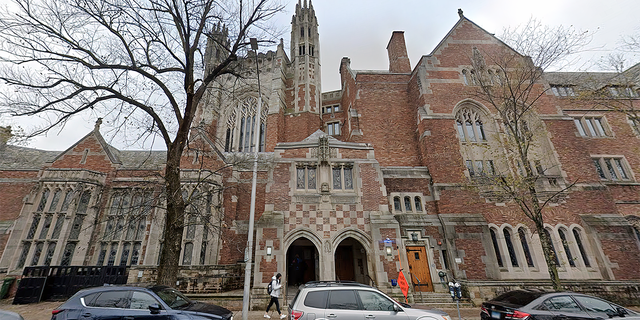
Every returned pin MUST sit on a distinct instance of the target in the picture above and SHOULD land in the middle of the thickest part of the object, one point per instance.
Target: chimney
(5, 135)
(397, 50)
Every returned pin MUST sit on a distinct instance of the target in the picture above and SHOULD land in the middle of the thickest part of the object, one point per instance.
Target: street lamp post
(252, 209)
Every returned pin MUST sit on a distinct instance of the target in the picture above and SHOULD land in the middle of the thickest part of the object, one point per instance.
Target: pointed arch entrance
(302, 262)
(351, 261)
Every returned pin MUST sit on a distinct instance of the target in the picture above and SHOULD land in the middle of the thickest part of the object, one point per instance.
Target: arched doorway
(302, 262)
(351, 261)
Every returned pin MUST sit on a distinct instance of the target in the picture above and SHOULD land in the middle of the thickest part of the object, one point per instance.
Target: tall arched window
(512, 251)
(418, 204)
(470, 126)
(525, 246)
(583, 253)
(407, 204)
(396, 204)
(565, 245)
(496, 248)
(241, 123)
(553, 247)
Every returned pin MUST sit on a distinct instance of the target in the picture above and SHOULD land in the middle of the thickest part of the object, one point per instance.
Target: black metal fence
(61, 282)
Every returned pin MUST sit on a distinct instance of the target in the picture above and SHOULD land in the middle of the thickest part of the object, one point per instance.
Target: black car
(154, 302)
(531, 304)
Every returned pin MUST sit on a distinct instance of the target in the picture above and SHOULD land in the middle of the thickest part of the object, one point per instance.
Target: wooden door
(419, 269)
(344, 263)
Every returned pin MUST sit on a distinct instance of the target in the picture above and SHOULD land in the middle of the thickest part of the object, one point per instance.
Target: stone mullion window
(306, 177)
(612, 168)
(342, 177)
(37, 253)
(22, 259)
(470, 126)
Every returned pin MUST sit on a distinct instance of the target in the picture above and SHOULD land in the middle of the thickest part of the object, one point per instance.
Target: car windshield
(172, 297)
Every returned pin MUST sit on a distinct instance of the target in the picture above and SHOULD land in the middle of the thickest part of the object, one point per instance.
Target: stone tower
(305, 58)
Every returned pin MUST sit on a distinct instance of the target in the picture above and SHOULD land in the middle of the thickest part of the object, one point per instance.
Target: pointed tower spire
(305, 57)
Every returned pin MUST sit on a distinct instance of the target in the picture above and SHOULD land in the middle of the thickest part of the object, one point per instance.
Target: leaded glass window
(567, 250)
(45, 226)
(553, 248)
(407, 204)
(67, 256)
(112, 254)
(43, 200)
(337, 177)
(102, 255)
(342, 175)
(306, 177)
(512, 251)
(58, 226)
(203, 253)
(470, 126)
(496, 248)
(188, 254)
(583, 253)
(418, 204)
(135, 255)
(396, 204)
(36, 253)
(525, 247)
(23, 255)
(51, 248)
(76, 227)
(54, 202)
(124, 257)
(34, 226)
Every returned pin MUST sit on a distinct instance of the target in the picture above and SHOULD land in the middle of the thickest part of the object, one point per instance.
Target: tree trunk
(549, 257)
(174, 224)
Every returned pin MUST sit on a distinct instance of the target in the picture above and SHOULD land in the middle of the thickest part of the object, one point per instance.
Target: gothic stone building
(358, 182)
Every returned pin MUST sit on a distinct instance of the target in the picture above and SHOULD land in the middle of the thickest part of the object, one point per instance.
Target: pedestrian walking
(276, 287)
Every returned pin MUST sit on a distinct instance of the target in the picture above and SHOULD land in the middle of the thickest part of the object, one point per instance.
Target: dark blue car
(155, 302)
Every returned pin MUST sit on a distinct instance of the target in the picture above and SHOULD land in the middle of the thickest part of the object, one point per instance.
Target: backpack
(270, 287)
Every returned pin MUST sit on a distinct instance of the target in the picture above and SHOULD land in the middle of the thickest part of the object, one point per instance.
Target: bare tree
(138, 63)
(509, 80)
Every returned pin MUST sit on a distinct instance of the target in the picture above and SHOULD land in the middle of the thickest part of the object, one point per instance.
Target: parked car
(352, 301)
(8, 315)
(120, 302)
(532, 304)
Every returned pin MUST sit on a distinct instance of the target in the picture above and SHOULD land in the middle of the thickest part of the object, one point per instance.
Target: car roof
(123, 287)
(325, 284)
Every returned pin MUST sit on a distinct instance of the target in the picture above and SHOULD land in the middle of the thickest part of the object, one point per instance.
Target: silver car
(333, 300)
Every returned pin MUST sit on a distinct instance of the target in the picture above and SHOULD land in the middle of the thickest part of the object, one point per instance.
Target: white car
(333, 300)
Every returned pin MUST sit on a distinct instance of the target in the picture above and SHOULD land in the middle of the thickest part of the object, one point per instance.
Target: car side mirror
(154, 308)
(396, 308)
(622, 311)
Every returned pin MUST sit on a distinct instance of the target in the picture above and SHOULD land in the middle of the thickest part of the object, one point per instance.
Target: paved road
(42, 311)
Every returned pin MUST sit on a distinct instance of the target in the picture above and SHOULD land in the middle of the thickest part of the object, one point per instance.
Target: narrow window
(300, 177)
(43, 200)
(36, 254)
(460, 130)
(418, 204)
(84, 202)
(34, 226)
(496, 249)
(311, 178)
(124, 257)
(49, 254)
(525, 247)
(227, 142)
(112, 254)
(620, 168)
(591, 128)
(512, 251)
(58, 226)
(553, 248)
(301, 32)
(470, 132)
(612, 172)
(469, 165)
(580, 127)
(465, 77)
(102, 255)
(54, 202)
(396, 204)
(479, 167)
(84, 156)
(583, 253)
(203, 253)
(188, 252)
(135, 255)
(480, 129)
(337, 177)
(491, 170)
(45, 226)
(67, 255)
(348, 177)
(567, 250)
(23, 255)
(76, 227)
(596, 162)
(407, 204)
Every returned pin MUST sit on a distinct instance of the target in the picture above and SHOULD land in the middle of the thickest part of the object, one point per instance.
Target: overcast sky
(361, 29)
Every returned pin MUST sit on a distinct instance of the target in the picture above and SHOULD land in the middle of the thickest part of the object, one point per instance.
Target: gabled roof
(22, 158)
(109, 150)
(457, 25)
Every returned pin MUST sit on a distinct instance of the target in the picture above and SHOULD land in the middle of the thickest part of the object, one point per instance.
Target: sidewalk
(42, 311)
